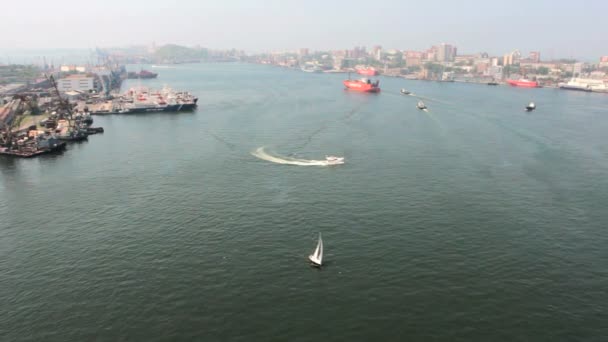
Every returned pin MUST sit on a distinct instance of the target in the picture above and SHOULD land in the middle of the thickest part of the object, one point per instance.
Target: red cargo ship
(523, 83)
(363, 85)
(367, 71)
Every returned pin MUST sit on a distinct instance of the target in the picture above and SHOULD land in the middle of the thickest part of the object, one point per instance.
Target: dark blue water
(475, 221)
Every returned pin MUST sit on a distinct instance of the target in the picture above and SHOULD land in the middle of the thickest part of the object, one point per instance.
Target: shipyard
(44, 108)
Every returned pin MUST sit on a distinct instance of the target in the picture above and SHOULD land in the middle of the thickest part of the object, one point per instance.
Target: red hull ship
(523, 83)
(363, 85)
(367, 71)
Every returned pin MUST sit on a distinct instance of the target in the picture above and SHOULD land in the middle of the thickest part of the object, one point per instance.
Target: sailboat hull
(314, 261)
(317, 256)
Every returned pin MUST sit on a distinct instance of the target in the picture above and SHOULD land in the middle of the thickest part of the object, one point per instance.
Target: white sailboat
(317, 256)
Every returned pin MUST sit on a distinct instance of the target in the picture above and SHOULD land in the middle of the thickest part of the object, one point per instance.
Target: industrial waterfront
(475, 220)
(44, 106)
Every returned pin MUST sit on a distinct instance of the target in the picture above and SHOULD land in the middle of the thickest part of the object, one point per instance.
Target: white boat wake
(262, 154)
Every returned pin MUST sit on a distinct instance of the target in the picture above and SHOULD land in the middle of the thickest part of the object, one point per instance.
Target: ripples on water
(475, 221)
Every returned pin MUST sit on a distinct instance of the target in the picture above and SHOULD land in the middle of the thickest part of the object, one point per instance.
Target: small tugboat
(405, 92)
(420, 105)
(94, 130)
(333, 160)
(364, 85)
(530, 107)
(70, 131)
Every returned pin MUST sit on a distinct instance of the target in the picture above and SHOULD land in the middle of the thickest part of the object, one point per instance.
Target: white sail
(317, 256)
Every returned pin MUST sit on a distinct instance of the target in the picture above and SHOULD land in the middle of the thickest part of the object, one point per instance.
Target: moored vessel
(143, 100)
(145, 74)
(524, 83)
(366, 71)
(583, 84)
(311, 68)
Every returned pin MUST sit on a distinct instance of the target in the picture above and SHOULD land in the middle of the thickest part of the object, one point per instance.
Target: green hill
(178, 53)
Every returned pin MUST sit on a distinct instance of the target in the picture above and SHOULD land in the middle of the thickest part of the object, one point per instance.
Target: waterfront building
(430, 55)
(481, 66)
(72, 68)
(577, 69)
(377, 52)
(511, 58)
(495, 72)
(534, 56)
(81, 83)
(445, 52)
(413, 61)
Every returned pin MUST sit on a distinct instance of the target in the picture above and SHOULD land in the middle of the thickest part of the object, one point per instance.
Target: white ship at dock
(585, 84)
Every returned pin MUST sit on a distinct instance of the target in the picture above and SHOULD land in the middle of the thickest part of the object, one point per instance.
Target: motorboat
(405, 92)
(333, 160)
(531, 106)
(420, 105)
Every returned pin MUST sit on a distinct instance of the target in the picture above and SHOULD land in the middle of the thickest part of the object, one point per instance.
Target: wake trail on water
(278, 159)
(326, 124)
(221, 140)
(352, 112)
(430, 99)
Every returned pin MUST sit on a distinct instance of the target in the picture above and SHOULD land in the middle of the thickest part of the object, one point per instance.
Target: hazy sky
(558, 28)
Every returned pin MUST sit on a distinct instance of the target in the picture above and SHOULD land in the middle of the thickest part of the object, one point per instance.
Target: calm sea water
(475, 221)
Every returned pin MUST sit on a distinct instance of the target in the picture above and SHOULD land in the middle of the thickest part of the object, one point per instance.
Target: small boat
(493, 83)
(531, 106)
(94, 130)
(333, 160)
(420, 105)
(405, 92)
(316, 258)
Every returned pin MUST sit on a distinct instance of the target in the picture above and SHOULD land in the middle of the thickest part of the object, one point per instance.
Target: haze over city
(234, 170)
(556, 29)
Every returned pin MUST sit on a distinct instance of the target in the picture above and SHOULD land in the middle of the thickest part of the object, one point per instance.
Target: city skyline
(554, 29)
